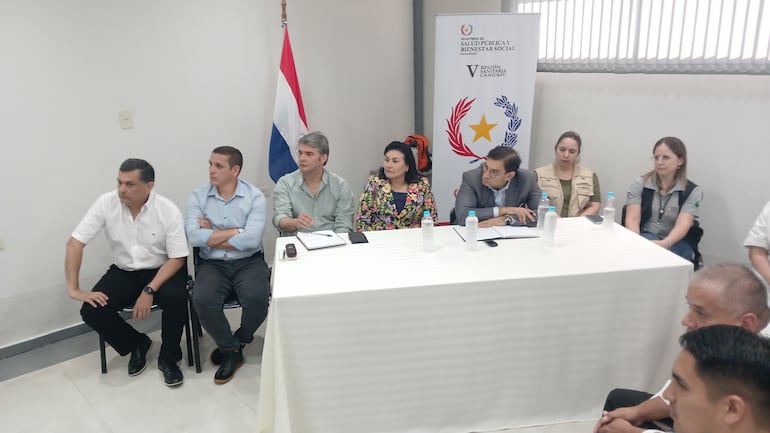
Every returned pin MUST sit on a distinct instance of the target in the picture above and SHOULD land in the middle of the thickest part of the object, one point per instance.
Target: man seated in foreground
(758, 243)
(721, 382)
(726, 294)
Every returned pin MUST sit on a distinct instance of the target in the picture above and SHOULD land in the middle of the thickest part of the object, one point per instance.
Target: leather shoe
(216, 355)
(172, 375)
(138, 360)
(231, 361)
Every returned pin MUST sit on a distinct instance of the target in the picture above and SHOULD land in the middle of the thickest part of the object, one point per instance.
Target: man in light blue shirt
(226, 220)
(312, 198)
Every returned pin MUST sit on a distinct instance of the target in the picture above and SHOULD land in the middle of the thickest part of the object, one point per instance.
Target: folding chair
(126, 313)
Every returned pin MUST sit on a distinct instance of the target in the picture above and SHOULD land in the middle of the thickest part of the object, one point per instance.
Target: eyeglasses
(492, 173)
(664, 158)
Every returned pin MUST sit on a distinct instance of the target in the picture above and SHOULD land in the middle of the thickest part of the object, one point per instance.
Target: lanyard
(662, 204)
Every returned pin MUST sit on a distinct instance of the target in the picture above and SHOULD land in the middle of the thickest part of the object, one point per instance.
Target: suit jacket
(473, 195)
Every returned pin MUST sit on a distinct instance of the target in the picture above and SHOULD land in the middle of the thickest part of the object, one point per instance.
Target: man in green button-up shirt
(312, 198)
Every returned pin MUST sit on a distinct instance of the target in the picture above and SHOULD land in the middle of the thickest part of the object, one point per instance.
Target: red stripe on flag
(290, 72)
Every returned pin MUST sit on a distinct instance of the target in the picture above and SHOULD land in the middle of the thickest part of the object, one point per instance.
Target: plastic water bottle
(542, 208)
(471, 230)
(609, 212)
(428, 243)
(549, 227)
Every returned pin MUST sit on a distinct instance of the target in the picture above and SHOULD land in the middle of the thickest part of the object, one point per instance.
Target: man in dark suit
(499, 192)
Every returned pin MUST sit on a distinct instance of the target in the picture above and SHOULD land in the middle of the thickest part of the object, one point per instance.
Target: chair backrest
(692, 237)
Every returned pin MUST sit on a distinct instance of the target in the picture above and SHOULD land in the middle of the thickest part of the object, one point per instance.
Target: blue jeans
(681, 248)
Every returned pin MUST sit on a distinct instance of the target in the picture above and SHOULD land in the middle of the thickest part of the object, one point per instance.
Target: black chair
(692, 237)
(231, 302)
(126, 313)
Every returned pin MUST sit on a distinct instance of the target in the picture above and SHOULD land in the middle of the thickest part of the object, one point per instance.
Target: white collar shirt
(147, 242)
(499, 197)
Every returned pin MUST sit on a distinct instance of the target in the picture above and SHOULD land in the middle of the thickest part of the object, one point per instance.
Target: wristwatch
(149, 290)
(510, 220)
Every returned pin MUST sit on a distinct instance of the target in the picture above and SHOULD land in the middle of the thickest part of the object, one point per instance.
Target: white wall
(196, 74)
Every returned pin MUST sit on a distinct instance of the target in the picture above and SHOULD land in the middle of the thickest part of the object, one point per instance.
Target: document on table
(320, 239)
(500, 232)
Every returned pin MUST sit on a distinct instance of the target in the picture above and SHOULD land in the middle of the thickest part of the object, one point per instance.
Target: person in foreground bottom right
(723, 294)
(721, 382)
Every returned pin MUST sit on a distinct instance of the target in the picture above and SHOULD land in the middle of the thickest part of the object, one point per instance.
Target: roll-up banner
(484, 92)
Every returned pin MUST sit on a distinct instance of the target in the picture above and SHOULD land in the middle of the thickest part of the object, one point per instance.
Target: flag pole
(289, 121)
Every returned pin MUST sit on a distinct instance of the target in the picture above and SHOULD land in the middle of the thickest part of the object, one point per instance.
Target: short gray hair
(741, 290)
(317, 140)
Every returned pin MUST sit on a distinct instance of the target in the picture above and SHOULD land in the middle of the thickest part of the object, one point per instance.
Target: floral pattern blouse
(378, 211)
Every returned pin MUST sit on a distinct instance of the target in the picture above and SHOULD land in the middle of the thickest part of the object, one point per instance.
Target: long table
(384, 337)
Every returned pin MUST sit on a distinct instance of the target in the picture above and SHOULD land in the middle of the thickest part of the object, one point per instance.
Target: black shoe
(138, 360)
(216, 355)
(231, 362)
(172, 375)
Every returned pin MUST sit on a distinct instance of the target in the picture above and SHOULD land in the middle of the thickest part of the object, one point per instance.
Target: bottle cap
(610, 194)
(426, 213)
(471, 213)
(551, 209)
(544, 195)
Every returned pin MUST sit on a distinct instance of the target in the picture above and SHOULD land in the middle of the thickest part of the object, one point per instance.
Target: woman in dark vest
(662, 204)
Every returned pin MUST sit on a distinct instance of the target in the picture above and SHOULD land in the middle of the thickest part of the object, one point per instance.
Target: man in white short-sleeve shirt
(758, 243)
(146, 235)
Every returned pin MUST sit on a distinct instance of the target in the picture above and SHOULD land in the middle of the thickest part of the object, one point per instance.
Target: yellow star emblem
(482, 129)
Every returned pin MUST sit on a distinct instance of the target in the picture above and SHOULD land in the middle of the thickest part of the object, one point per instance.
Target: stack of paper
(500, 232)
(320, 239)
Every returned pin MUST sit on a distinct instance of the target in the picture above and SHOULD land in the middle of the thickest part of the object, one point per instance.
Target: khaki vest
(582, 188)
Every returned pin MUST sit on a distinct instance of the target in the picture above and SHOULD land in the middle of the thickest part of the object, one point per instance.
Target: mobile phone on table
(596, 219)
(290, 252)
(357, 238)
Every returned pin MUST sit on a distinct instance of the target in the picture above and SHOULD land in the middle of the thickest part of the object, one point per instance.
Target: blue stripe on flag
(280, 160)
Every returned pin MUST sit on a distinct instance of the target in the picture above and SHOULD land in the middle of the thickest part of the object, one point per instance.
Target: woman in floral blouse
(397, 196)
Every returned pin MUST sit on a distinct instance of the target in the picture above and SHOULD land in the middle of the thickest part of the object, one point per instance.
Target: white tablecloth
(383, 337)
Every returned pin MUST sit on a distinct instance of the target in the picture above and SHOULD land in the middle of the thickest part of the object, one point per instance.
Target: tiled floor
(72, 396)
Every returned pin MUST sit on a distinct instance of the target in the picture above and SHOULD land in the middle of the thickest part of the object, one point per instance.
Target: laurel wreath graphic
(512, 113)
(453, 129)
(461, 109)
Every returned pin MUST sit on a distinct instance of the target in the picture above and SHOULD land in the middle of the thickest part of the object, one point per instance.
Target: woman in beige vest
(572, 189)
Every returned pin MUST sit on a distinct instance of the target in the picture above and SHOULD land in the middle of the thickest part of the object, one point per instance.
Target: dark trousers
(123, 288)
(620, 397)
(215, 281)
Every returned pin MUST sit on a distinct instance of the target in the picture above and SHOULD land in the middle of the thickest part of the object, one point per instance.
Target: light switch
(126, 119)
